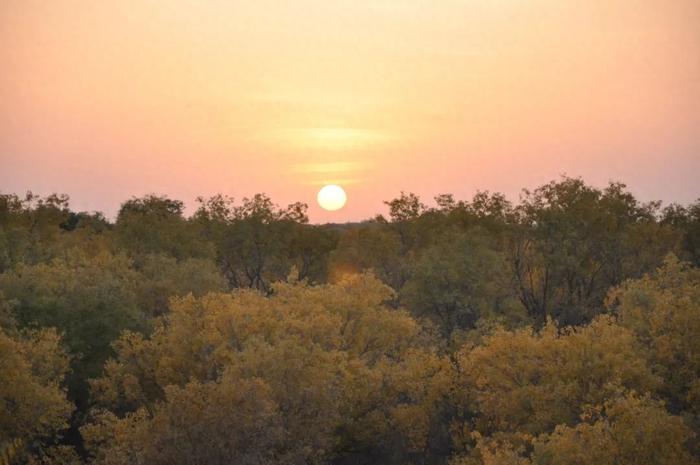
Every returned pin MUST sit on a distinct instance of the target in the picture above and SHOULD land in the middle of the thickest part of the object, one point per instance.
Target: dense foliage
(562, 330)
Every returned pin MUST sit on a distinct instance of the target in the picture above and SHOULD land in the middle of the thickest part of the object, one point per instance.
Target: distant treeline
(561, 330)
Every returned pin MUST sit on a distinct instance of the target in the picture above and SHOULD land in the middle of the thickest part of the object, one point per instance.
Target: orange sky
(108, 99)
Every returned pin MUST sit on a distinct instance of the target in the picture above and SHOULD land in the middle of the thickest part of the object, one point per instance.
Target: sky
(105, 100)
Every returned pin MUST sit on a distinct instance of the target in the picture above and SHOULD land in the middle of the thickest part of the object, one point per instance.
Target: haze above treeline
(193, 98)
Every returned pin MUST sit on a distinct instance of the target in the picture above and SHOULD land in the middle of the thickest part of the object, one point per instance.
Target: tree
(663, 310)
(573, 242)
(469, 331)
(34, 408)
(626, 430)
(372, 246)
(89, 299)
(162, 277)
(30, 227)
(686, 220)
(230, 421)
(403, 212)
(525, 382)
(258, 242)
(405, 208)
(156, 225)
(347, 376)
(309, 249)
(459, 280)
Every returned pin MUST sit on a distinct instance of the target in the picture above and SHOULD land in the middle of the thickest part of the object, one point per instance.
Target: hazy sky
(104, 100)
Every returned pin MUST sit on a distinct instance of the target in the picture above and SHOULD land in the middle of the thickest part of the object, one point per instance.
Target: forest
(559, 329)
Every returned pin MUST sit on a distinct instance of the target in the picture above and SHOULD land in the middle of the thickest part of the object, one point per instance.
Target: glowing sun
(331, 197)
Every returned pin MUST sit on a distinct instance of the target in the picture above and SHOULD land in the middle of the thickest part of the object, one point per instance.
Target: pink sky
(107, 100)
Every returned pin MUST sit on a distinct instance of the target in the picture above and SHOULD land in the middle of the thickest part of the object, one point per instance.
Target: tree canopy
(562, 329)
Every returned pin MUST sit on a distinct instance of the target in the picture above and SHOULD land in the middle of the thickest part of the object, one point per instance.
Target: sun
(331, 197)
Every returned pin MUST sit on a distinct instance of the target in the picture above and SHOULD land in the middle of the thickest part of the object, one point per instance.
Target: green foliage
(90, 299)
(156, 225)
(35, 229)
(406, 208)
(373, 247)
(573, 242)
(163, 277)
(459, 280)
(258, 243)
(687, 221)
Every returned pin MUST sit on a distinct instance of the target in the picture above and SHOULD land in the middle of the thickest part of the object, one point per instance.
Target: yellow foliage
(626, 430)
(522, 381)
(33, 404)
(663, 309)
(339, 367)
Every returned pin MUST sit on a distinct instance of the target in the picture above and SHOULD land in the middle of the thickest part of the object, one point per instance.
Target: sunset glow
(337, 232)
(331, 197)
(382, 96)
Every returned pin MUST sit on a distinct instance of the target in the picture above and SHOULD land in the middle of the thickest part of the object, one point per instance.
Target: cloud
(333, 167)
